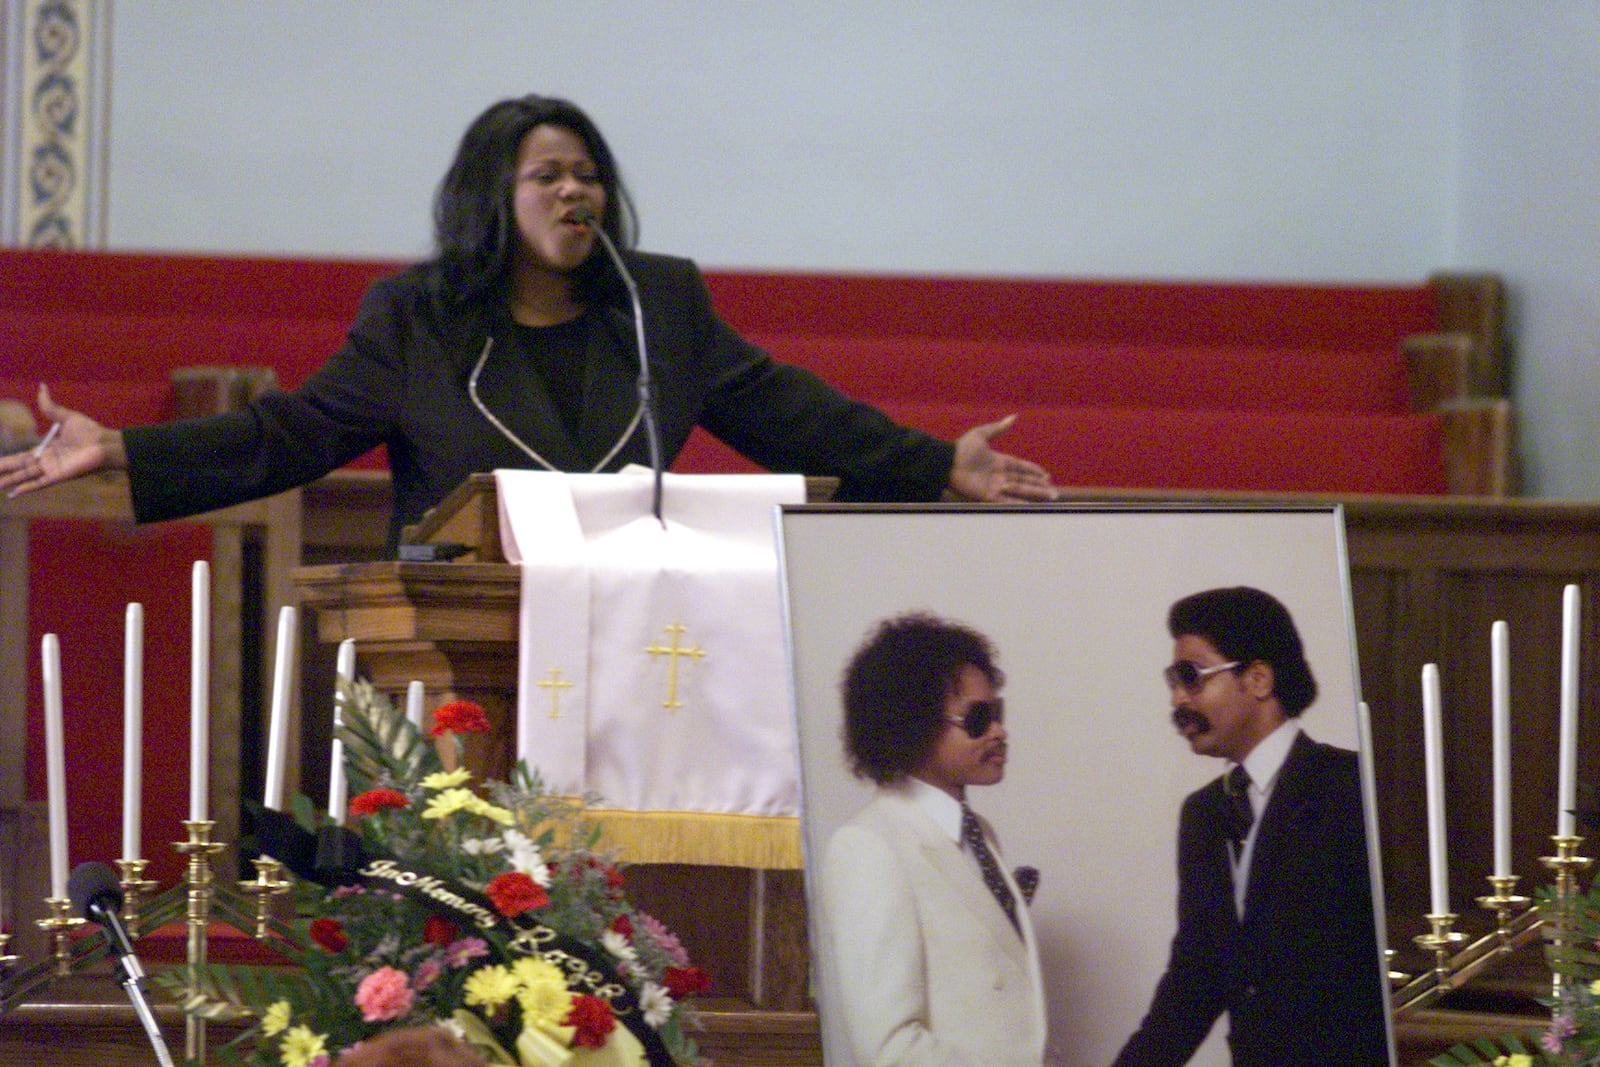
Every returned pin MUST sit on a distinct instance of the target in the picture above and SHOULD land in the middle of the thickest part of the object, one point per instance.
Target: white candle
(278, 725)
(199, 694)
(414, 694)
(132, 730)
(55, 765)
(1567, 782)
(345, 668)
(1500, 704)
(1433, 754)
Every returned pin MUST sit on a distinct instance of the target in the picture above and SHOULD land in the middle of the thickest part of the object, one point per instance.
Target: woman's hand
(981, 473)
(79, 446)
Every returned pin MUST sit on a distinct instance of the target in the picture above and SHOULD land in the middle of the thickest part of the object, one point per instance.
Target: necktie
(972, 834)
(1240, 814)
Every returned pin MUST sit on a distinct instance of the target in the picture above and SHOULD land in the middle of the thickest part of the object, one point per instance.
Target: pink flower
(428, 972)
(1562, 1026)
(383, 995)
(665, 939)
(460, 953)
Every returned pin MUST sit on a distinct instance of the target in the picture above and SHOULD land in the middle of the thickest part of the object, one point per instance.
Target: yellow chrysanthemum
(542, 995)
(449, 802)
(489, 987)
(447, 779)
(275, 1019)
(301, 1045)
(491, 811)
(1515, 1059)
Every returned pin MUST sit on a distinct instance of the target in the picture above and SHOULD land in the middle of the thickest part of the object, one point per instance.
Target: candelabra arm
(59, 924)
(268, 884)
(199, 848)
(135, 888)
(1566, 864)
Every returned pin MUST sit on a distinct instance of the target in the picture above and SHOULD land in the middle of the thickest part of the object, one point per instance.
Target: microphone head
(584, 215)
(92, 884)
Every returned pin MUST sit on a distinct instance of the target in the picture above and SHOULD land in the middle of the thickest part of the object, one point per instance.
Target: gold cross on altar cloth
(674, 651)
(555, 685)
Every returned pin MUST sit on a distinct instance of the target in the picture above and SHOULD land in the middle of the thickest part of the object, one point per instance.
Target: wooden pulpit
(454, 627)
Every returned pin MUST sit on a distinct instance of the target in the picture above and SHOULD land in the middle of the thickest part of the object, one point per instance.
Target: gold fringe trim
(763, 842)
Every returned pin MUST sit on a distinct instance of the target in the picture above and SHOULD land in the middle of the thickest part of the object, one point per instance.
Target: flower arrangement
(1571, 927)
(484, 907)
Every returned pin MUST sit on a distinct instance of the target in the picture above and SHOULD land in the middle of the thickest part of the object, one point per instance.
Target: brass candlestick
(268, 884)
(1566, 864)
(1441, 940)
(199, 848)
(1505, 903)
(135, 887)
(6, 958)
(59, 924)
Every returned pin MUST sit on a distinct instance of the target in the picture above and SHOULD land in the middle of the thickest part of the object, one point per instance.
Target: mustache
(1185, 717)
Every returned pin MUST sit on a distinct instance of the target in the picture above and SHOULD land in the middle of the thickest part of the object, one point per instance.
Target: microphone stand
(141, 1007)
(646, 388)
(129, 971)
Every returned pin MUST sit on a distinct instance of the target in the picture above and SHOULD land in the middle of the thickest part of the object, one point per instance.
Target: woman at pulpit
(514, 346)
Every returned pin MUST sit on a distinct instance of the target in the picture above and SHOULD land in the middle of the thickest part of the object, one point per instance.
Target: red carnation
(514, 893)
(329, 934)
(684, 981)
(459, 717)
(593, 1020)
(375, 800)
(623, 925)
(438, 930)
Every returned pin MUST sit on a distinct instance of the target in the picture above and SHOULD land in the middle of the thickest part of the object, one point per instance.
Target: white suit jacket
(930, 971)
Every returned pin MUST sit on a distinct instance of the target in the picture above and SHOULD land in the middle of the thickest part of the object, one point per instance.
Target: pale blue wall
(1190, 138)
(1529, 207)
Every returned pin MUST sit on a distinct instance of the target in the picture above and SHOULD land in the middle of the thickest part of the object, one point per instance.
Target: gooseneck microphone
(646, 388)
(96, 895)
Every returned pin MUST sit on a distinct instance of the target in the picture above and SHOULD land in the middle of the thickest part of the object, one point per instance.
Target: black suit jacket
(1300, 975)
(400, 380)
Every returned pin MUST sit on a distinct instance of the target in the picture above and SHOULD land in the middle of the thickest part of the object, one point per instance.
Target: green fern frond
(1480, 1051)
(381, 746)
(225, 992)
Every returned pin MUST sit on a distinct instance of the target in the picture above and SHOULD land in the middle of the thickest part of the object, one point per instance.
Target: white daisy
(617, 944)
(656, 1004)
(525, 857)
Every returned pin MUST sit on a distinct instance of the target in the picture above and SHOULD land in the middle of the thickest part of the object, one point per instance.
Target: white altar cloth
(652, 671)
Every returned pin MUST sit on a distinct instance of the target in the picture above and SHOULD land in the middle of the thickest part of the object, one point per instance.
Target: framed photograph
(1074, 600)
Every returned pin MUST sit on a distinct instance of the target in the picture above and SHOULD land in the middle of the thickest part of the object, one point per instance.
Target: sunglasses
(981, 714)
(1191, 677)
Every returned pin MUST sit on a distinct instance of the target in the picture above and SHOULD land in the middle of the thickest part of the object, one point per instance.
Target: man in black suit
(1276, 924)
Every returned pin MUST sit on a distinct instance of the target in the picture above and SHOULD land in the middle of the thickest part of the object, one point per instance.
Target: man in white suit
(929, 936)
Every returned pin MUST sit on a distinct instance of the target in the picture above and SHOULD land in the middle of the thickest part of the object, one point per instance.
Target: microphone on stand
(646, 388)
(96, 895)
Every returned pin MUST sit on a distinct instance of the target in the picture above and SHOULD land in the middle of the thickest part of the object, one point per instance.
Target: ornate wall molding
(55, 91)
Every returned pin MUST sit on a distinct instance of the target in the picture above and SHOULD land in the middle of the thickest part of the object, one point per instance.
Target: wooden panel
(1428, 582)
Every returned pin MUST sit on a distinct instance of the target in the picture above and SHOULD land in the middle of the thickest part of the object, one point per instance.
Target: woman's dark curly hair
(475, 233)
(895, 686)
